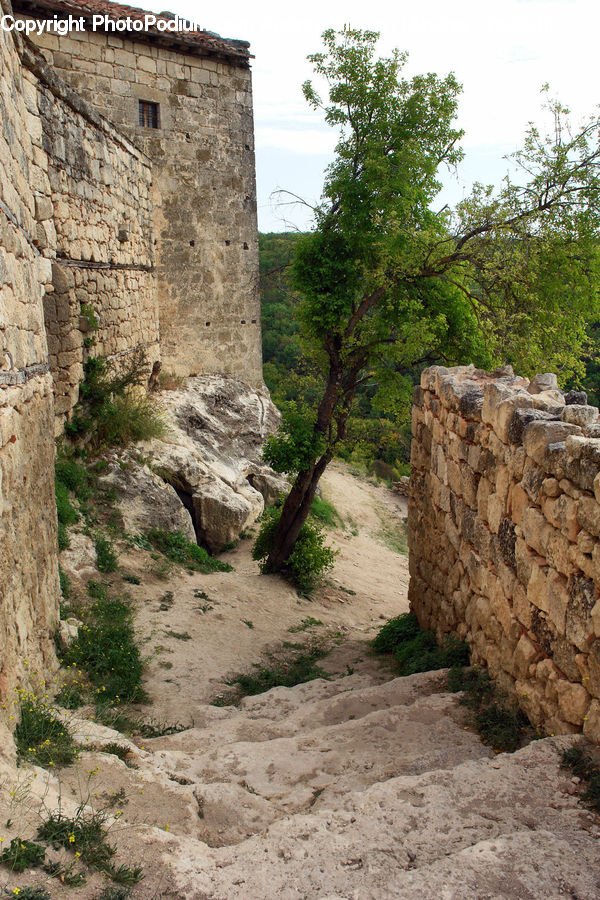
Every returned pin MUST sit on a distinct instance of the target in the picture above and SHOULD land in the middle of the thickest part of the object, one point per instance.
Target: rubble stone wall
(504, 527)
(29, 587)
(204, 190)
(100, 221)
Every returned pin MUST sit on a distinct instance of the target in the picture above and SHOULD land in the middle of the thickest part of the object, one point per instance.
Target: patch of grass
(114, 893)
(297, 669)
(86, 835)
(325, 513)
(308, 622)
(131, 579)
(106, 558)
(106, 649)
(393, 534)
(248, 623)
(179, 635)
(22, 854)
(176, 547)
(41, 737)
(416, 650)
(587, 769)
(500, 727)
(65, 583)
(115, 749)
(30, 893)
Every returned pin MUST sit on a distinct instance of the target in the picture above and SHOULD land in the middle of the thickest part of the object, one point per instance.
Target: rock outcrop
(206, 477)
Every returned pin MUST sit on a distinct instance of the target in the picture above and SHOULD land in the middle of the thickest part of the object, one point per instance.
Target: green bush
(417, 650)
(176, 547)
(106, 558)
(111, 412)
(396, 631)
(310, 558)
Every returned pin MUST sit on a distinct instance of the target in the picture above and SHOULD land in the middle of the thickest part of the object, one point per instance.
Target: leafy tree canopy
(386, 281)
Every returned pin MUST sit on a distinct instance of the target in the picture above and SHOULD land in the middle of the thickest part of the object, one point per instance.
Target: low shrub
(588, 770)
(310, 558)
(106, 558)
(41, 737)
(502, 728)
(396, 631)
(21, 855)
(111, 412)
(416, 650)
(176, 547)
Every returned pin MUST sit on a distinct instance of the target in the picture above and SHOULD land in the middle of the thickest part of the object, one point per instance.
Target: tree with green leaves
(386, 281)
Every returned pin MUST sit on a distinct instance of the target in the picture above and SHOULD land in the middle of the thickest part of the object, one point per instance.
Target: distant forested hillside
(378, 438)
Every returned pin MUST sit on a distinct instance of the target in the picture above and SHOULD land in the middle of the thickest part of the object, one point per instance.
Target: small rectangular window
(149, 114)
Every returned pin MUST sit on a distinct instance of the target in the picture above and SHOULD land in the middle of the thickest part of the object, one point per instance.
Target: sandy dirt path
(198, 629)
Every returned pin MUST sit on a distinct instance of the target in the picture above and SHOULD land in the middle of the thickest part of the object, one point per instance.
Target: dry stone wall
(204, 190)
(29, 588)
(504, 527)
(100, 222)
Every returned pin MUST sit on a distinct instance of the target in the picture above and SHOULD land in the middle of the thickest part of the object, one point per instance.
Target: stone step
(318, 766)
(283, 712)
(500, 827)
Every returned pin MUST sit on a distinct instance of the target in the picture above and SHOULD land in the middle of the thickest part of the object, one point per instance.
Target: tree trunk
(295, 513)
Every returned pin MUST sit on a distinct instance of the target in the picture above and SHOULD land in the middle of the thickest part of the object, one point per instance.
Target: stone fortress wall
(504, 521)
(99, 226)
(29, 588)
(204, 191)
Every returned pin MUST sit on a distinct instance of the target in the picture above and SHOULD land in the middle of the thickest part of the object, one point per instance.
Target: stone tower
(185, 99)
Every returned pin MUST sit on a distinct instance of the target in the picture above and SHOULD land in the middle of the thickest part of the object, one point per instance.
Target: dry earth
(357, 787)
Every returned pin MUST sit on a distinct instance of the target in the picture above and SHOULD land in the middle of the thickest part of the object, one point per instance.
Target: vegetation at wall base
(113, 409)
(500, 726)
(310, 560)
(416, 650)
(105, 647)
(585, 767)
(41, 738)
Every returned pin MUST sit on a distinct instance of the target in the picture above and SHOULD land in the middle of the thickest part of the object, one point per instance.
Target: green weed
(106, 558)
(179, 635)
(176, 547)
(30, 893)
(41, 737)
(131, 579)
(297, 669)
(587, 769)
(21, 855)
(106, 649)
(308, 622)
(499, 726)
(395, 632)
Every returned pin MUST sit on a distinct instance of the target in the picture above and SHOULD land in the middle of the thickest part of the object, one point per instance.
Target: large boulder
(211, 456)
(145, 500)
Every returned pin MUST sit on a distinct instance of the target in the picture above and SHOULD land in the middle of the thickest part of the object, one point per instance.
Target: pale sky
(502, 51)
